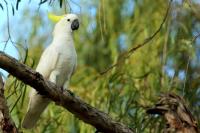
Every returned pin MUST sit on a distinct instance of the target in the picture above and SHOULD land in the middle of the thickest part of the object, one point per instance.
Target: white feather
(57, 64)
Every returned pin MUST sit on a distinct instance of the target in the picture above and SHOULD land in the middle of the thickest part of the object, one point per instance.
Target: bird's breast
(66, 61)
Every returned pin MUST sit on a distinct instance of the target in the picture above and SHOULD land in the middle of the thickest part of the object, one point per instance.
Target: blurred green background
(170, 62)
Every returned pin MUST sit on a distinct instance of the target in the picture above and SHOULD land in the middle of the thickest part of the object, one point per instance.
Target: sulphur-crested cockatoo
(56, 64)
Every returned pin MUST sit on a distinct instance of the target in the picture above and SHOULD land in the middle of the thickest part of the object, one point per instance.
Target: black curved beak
(75, 24)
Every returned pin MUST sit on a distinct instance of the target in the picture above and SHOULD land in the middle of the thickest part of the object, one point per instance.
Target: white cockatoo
(57, 64)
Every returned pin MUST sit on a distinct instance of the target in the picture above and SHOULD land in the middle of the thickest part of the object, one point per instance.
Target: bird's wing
(48, 62)
(74, 68)
(38, 103)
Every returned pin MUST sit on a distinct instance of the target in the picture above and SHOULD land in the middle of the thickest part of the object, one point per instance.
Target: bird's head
(66, 24)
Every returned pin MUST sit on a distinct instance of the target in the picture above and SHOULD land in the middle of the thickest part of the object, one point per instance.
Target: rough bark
(6, 123)
(100, 120)
(177, 115)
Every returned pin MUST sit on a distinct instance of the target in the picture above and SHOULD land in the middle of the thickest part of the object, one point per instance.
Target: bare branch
(100, 120)
(6, 123)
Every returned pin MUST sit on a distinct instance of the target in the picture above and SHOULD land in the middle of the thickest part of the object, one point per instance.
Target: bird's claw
(70, 92)
(62, 89)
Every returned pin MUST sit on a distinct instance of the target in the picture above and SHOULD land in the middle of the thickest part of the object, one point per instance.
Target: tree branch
(6, 123)
(178, 117)
(100, 120)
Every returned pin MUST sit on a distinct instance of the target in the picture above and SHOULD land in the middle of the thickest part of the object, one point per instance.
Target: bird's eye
(68, 19)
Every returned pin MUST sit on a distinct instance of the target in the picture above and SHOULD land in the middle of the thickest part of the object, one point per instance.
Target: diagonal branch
(6, 123)
(100, 120)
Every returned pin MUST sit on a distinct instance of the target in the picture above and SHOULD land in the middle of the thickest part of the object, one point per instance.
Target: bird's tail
(35, 109)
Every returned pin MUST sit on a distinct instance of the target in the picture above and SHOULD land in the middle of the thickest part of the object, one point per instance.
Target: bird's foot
(62, 89)
(70, 92)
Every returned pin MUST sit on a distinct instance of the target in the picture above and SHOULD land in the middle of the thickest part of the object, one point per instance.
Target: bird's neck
(62, 35)
(63, 38)
(68, 37)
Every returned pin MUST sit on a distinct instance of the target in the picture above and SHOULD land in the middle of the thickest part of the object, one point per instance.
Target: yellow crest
(55, 18)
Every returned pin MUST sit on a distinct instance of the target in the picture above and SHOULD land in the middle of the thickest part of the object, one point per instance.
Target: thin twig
(185, 80)
(195, 37)
(70, 8)
(9, 31)
(73, 2)
(100, 23)
(146, 41)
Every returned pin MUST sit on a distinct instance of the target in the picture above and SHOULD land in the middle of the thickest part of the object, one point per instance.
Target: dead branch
(6, 123)
(177, 115)
(100, 120)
